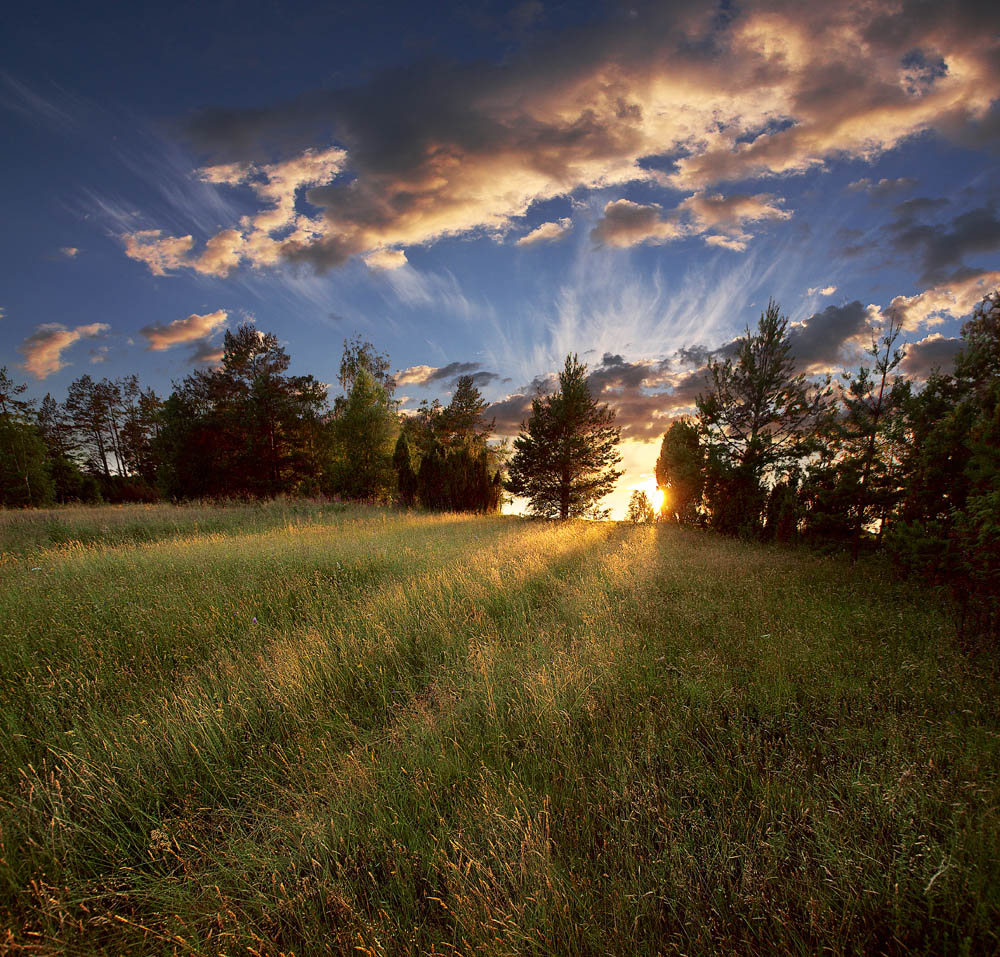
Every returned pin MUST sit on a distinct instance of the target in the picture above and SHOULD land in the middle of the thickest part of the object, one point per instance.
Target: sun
(657, 498)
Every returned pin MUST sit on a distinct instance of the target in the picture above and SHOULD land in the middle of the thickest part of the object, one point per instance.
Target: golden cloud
(192, 329)
(43, 349)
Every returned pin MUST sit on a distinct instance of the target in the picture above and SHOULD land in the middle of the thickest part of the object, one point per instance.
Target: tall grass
(366, 731)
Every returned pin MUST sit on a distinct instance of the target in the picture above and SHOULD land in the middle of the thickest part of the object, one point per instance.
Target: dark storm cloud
(818, 343)
(944, 247)
(450, 148)
(935, 352)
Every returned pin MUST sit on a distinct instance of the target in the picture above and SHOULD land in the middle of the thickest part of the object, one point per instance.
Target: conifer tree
(756, 421)
(565, 457)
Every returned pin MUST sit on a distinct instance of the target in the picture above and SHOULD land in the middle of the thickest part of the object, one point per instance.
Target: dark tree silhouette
(565, 457)
(680, 471)
(757, 420)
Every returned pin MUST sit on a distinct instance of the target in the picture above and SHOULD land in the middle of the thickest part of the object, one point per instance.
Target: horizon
(487, 194)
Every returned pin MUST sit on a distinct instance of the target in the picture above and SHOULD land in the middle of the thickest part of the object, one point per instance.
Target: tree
(869, 399)
(852, 483)
(70, 483)
(406, 477)
(24, 473)
(565, 457)
(361, 355)
(245, 429)
(757, 419)
(461, 421)
(640, 509)
(680, 471)
(949, 527)
(365, 429)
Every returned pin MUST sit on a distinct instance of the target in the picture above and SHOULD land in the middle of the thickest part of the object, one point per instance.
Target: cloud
(825, 291)
(428, 375)
(192, 329)
(883, 188)
(935, 352)
(725, 216)
(386, 259)
(952, 298)
(443, 149)
(943, 247)
(627, 224)
(824, 340)
(645, 396)
(205, 353)
(546, 233)
(719, 218)
(648, 394)
(43, 349)
(70, 252)
(277, 232)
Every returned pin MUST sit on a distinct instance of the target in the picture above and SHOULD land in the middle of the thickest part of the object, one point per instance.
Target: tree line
(249, 429)
(867, 463)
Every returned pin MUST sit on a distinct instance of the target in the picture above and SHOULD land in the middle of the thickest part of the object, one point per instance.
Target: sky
(484, 188)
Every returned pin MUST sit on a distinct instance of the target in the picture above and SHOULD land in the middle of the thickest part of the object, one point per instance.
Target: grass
(299, 729)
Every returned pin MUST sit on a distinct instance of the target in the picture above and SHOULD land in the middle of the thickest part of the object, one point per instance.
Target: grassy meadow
(309, 729)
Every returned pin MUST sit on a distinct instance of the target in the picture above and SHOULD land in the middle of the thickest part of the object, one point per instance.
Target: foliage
(680, 472)
(406, 477)
(757, 420)
(365, 429)
(245, 429)
(949, 528)
(565, 457)
(640, 508)
(461, 422)
(25, 479)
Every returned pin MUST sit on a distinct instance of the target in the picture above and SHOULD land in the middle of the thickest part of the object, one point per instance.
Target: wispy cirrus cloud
(43, 349)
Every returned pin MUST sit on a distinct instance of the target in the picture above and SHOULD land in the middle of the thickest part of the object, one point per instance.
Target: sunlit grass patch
(387, 731)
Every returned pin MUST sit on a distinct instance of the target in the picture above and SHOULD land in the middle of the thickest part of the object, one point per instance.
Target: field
(315, 729)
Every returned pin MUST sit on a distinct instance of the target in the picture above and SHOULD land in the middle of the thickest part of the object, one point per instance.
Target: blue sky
(488, 187)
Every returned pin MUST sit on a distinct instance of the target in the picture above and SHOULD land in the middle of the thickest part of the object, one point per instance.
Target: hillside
(310, 729)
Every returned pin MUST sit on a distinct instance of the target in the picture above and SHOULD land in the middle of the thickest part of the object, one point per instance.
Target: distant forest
(870, 461)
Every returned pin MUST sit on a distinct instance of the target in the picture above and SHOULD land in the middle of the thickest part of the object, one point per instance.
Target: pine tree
(565, 457)
(24, 471)
(756, 421)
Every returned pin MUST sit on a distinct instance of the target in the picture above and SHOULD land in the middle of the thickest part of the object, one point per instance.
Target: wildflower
(255, 620)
